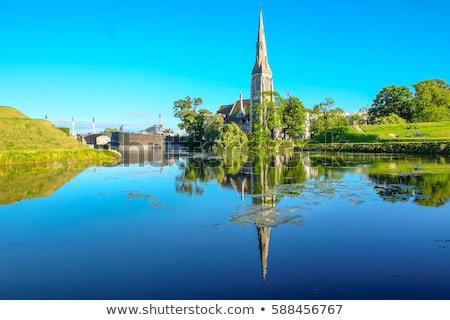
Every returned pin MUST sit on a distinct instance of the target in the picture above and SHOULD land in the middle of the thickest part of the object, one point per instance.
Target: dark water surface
(290, 226)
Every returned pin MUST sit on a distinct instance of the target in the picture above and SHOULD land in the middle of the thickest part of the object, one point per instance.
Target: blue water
(125, 232)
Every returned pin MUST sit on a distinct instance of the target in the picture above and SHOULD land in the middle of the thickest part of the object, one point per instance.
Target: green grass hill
(423, 138)
(9, 112)
(23, 139)
(410, 131)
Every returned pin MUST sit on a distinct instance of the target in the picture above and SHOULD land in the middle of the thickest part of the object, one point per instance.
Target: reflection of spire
(243, 184)
(260, 179)
(263, 238)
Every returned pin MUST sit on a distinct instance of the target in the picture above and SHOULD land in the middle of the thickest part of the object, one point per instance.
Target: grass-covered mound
(408, 132)
(24, 140)
(424, 131)
(423, 138)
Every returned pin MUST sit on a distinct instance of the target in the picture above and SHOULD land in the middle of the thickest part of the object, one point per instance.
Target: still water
(285, 226)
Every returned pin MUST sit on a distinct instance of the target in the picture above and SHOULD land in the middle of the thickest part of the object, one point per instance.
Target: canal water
(246, 226)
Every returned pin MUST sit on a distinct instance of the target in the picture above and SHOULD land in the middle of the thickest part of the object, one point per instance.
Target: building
(155, 129)
(238, 112)
(261, 80)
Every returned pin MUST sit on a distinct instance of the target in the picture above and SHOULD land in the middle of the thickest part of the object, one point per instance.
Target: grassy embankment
(25, 140)
(425, 138)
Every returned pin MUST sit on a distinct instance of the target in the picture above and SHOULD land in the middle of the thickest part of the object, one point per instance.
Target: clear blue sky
(125, 62)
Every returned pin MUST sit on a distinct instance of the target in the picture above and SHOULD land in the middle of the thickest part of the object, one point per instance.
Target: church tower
(261, 74)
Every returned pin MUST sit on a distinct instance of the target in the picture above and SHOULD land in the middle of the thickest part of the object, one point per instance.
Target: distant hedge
(438, 147)
(344, 135)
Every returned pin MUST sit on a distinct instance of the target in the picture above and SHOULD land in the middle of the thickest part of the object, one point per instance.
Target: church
(261, 80)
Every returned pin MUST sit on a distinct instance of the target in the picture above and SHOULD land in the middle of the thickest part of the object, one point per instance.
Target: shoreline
(435, 147)
(13, 157)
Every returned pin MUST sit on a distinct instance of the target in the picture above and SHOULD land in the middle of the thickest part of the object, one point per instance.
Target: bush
(344, 134)
(393, 118)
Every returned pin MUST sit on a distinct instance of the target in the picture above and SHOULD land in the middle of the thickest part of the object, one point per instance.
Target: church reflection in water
(267, 178)
(261, 178)
(256, 177)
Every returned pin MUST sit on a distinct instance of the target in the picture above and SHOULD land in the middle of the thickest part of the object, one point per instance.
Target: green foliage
(325, 115)
(427, 148)
(212, 126)
(260, 136)
(201, 126)
(268, 116)
(430, 102)
(186, 111)
(392, 100)
(231, 139)
(277, 118)
(344, 134)
(109, 130)
(294, 116)
(393, 118)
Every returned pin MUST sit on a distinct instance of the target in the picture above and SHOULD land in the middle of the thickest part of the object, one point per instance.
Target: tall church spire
(262, 62)
(261, 73)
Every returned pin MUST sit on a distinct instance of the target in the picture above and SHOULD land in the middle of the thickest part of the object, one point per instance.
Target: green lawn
(35, 140)
(424, 131)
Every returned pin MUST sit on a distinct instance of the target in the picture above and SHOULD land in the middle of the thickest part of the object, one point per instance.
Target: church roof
(225, 109)
(235, 112)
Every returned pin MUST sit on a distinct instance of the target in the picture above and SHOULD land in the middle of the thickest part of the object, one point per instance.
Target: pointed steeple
(262, 62)
(261, 74)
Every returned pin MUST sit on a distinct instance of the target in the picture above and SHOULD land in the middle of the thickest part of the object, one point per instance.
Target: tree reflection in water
(267, 178)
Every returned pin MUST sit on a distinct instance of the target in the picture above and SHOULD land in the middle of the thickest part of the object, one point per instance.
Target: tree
(432, 100)
(186, 111)
(392, 99)
(231, 138)
(277, 115)
(197, 129)
(212, 127)
(202, 126)
(270, 113)
(267, 119)
(260, 135)
(294, 116)
(325, 115)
